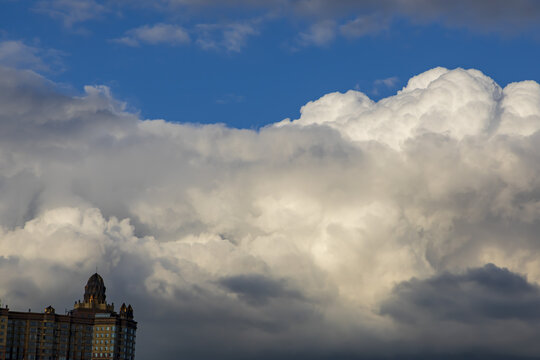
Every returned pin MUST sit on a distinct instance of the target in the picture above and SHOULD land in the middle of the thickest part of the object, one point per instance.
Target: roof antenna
(96, 269)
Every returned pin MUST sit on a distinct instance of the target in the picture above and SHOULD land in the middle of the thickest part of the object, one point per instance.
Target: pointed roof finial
(95, 289)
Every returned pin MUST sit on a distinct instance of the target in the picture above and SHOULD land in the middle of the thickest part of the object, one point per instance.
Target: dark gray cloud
(258, 290)
(473, 13)
(490, 310)
(361, 18)
(479, 294)
(493, 14)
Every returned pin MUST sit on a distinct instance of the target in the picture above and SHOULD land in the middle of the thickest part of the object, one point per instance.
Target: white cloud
(18, 54)
(388, 82)
(155, 35)
(291, 235)
(319, 34)
(364, 25)
(229, 37)
(72, 12)
(457, 103)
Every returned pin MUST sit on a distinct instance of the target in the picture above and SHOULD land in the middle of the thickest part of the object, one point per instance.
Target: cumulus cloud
(320, 236)
(467, 94)
(154, 35)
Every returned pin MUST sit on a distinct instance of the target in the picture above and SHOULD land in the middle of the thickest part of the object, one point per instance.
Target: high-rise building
(92, 330)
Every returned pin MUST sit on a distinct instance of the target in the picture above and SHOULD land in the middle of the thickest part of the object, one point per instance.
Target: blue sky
(275, 63)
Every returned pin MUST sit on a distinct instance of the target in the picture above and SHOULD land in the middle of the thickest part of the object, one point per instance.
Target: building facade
(92, 330)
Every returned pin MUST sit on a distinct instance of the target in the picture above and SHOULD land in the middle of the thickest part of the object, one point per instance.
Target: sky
(278, 179)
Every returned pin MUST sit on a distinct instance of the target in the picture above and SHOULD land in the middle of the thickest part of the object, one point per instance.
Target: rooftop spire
(95, 289)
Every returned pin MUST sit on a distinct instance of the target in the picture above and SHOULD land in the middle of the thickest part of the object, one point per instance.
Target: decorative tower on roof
(95, 289)
(126, 311)
(94, 297)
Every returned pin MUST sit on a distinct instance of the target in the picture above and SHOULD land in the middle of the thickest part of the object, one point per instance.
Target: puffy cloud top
(456, 103)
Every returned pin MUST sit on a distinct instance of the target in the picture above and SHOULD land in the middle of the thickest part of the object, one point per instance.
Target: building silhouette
(92, 330)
